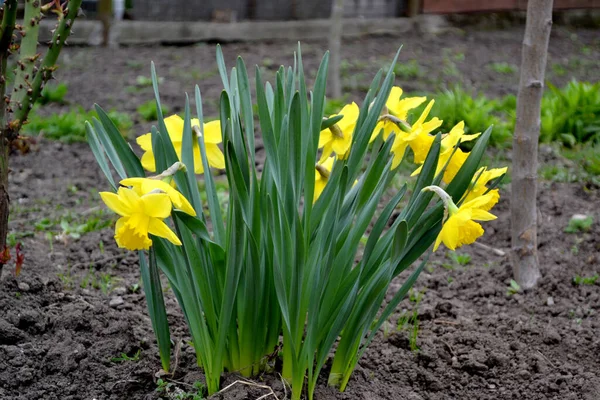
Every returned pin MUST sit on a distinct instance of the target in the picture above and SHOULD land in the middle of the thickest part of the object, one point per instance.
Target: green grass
(104, 281)
(69, 126)
(408, 70)
(169, 390)
(148, 111)
(570, 115)
(124, 357)
(478, 112)
(503, 68)
(53, 93)
(73, 226)
(579, 164)
(409, 321)
(460, 258)
(333, 106)
(134, 64)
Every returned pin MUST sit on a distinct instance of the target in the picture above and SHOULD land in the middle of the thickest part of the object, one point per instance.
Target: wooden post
(335, 46)
(524, 256)
(412, 8)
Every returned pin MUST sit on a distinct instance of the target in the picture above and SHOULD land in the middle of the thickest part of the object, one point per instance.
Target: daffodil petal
(325, 137)
(394, 99)
(115, 203)
(198, 164)
(157, 205)
(482, 215)
(212, 132)
(215, 156)
(145, 142)
(174, 124)
(425, 113)
(130, 198)
(158, 228)
(148, 161)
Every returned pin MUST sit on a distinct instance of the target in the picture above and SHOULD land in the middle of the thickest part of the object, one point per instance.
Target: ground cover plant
(569, 114)
(285, 249)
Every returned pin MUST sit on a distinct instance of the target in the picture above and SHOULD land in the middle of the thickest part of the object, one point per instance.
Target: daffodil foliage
(287, 259)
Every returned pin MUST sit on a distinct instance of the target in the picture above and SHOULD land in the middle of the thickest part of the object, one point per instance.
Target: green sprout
(579, 223)
(460, 258)
(514, 288)
(585, 280)
(124, 357)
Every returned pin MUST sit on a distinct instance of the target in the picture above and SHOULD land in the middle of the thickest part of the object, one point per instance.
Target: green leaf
(465, 174)
(211, 193)
(400, 238)
(98, 152)
(187, 157)
(329, 122)
(130, 161)
(109, 149)
(222, 68)
(156, 307)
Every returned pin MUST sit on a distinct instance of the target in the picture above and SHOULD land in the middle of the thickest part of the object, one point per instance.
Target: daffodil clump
(286, 265)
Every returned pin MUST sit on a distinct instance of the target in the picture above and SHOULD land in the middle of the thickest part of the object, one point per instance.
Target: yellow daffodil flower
(322, 171)
(418, 138)
(397, 108)
(454, 159)
(174, 124)
(338, 138)
(479, 187)
(460, 227)
(144, 186)
(140, 216)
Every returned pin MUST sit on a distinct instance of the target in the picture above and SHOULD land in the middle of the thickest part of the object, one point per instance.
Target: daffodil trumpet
(459, 226)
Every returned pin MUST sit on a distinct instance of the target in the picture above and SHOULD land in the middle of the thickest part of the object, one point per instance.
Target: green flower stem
(402, 124)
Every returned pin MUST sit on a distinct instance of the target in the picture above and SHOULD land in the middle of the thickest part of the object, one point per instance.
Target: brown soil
(60, 326)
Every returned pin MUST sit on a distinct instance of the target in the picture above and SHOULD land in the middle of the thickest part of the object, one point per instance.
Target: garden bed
(74, 325)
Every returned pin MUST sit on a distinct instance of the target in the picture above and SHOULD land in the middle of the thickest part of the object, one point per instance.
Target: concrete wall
(269, 10)
(87, 32)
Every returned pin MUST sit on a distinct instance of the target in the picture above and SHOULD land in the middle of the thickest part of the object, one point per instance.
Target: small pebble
(579, 217)
(119, 291)
(524, 374)
(23, 287)
(116, 301)
(550, 301)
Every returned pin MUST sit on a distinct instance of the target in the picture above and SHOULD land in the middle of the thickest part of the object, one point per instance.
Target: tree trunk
(524, 255)
(335, 44)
